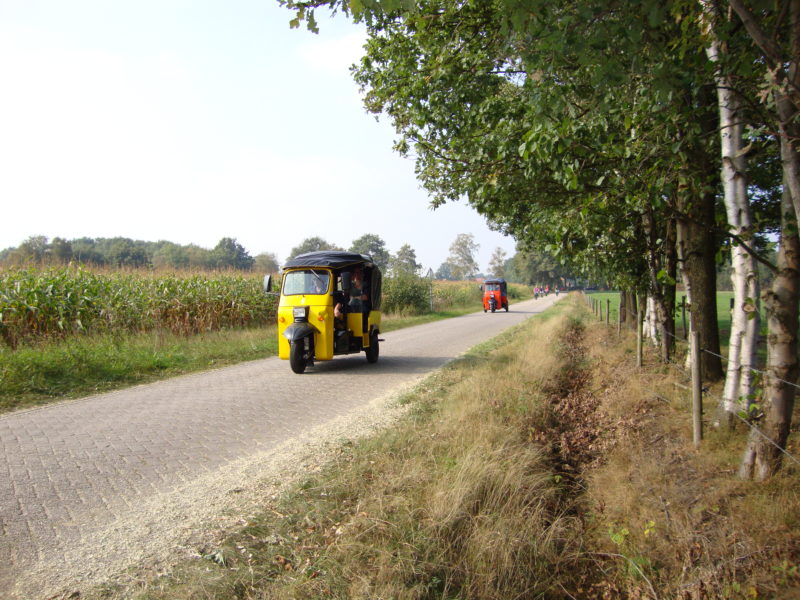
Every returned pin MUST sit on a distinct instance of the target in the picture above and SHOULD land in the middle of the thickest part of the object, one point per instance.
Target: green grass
(611, 299)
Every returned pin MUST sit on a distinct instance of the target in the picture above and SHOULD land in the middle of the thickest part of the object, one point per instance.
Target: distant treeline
(125, 252)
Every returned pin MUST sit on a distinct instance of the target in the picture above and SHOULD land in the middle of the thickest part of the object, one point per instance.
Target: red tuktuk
(495, 294)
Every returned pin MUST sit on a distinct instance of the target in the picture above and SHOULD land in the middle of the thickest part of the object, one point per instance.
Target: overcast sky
(190, 121)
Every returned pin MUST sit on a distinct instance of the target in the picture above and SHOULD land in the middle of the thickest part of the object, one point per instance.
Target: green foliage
(312, 244)
(455, 293)
(404, 262)
(266, 262)
(229, 253)
(445, 271)
(462, 256)
(497, 263)
(406, 294)
(373, 246)
(125, 252)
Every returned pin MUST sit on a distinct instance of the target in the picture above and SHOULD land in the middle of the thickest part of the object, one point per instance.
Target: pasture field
(723, 310)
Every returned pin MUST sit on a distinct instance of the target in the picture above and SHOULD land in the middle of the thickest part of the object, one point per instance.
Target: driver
(357, 295)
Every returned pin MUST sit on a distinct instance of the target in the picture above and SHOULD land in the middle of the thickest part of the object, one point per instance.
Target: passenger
(358, 295)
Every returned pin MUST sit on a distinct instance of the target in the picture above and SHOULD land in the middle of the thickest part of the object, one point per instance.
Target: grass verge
(541, 465)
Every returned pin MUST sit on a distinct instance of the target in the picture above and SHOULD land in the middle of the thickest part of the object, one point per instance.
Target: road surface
(91, 486)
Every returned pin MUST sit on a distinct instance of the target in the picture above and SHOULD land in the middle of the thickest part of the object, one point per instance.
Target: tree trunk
(762, 459)
(696, 249)
(671, 266)
(745, 320)
(660, 322)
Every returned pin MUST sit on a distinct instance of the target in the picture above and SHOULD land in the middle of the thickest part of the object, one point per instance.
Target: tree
(462, 256)
(497, 263)
(373, 246)
(763, 455)
(312, 244)
(124, 252)
(228, 253)
(170, 255)
(61, 250)
(85, 250)
(267, 262)
(34, 248)
(404, 262)
(445, 271)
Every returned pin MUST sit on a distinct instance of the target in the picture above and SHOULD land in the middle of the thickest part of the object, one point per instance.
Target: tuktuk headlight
(300, 313)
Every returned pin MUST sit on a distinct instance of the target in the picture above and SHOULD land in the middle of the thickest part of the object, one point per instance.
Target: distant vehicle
(330, 304)
(495, 294)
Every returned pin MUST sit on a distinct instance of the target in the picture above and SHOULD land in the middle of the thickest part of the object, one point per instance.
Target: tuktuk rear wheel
(374, 349)
(297, 357)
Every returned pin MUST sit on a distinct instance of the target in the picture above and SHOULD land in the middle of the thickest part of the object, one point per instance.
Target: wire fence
(598, 310)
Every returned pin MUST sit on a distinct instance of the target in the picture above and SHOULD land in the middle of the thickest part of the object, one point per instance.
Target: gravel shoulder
(170, 527)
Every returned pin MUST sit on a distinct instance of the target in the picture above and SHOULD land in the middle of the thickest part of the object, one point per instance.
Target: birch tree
(745, 320)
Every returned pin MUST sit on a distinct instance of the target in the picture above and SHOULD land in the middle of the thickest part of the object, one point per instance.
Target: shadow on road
(356, 364)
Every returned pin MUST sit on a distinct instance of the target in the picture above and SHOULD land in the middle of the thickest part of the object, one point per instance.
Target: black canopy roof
(503, 281)
(329, 258)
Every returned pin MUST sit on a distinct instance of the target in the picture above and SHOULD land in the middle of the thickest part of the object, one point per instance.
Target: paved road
(70, 470)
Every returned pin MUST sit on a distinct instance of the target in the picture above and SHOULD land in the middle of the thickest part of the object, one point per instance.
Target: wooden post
(600, 307)
(683, 313)
(619, 318)
(639, 336)
(608, 311)
(697, 390)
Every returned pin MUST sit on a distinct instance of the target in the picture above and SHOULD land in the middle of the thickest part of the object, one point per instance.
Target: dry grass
(676, 521)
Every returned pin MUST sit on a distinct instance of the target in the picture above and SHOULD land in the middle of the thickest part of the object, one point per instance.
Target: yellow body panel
(320, 317)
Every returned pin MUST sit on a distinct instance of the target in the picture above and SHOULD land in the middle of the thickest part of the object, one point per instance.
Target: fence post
(600, 306)
(639, 340)
(683, 313)
(608, 311)
(619, 319)
(697, 390)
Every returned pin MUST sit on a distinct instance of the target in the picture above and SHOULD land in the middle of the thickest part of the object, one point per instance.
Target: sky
(190, 121)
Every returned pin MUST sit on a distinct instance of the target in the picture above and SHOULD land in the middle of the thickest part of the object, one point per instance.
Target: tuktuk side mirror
(346, 281)
(268, 284)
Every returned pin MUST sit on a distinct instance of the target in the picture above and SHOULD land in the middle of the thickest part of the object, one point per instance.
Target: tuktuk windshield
(306, 281)
(492, 287)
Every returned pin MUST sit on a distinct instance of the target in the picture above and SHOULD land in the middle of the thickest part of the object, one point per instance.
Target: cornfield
(38, 304)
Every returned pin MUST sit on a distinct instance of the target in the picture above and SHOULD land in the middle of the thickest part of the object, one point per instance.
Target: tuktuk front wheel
(298, 359)
(374, 350)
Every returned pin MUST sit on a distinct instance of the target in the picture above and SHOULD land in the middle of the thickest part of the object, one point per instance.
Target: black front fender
(297, 331)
